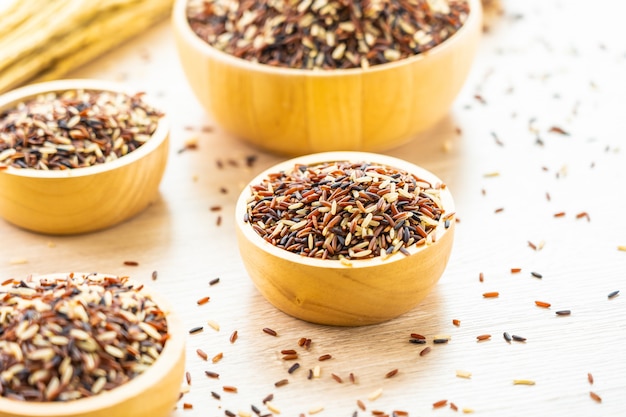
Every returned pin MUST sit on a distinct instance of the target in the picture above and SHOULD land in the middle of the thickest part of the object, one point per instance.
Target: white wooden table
(542, 66)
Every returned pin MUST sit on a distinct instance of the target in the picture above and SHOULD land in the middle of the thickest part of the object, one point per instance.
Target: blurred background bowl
(153, 393)
(85, 199)
(330, 292)
(295, 111)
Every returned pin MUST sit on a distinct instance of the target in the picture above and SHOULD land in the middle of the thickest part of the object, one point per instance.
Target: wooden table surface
(532, 144)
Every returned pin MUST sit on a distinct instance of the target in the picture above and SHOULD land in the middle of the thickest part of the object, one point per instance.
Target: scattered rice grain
(440, 403)
(463, 374)
(595, 397)
(374, 395)
(269, 331)
(523, 382)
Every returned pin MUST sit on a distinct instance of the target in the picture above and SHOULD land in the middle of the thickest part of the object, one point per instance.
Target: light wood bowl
(294, 111)
(153, 393)
(84, 199)
(329, 292)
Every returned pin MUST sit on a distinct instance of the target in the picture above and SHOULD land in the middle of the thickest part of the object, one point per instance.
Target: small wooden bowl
(153, 393)
(83, 199)
(330, 292)
(294, 111)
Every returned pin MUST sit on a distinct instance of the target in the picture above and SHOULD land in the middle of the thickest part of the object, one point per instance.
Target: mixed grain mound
(325, 34)
(76, 336)
(345, 210)
(74, 129)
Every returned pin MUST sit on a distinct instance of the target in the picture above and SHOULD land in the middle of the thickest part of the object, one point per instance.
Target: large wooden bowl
(84, 199)
(153, 393)
(330, 292)
(293, 111)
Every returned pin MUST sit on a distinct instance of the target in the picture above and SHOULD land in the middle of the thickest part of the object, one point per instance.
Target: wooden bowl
(153, 393)
(83, 199)
(294, 111)
(330, 292)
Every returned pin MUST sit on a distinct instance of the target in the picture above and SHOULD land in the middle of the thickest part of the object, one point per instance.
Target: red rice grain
(269, 331)
(440, 403)
(203, 300)
(280, 383)
(583, 214)
(361, 405)
(290, 357)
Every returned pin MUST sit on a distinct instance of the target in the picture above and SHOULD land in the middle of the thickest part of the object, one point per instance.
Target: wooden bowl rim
(173, 349)
(17, 95)
(249, 233)
(181, 23)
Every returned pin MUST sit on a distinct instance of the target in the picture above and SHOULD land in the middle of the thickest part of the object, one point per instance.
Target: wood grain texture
(535, 69)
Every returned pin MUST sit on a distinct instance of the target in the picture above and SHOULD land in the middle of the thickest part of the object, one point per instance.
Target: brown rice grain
(595, 397)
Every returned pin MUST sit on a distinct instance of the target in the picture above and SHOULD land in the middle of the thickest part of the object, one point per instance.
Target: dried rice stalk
(43, 39)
